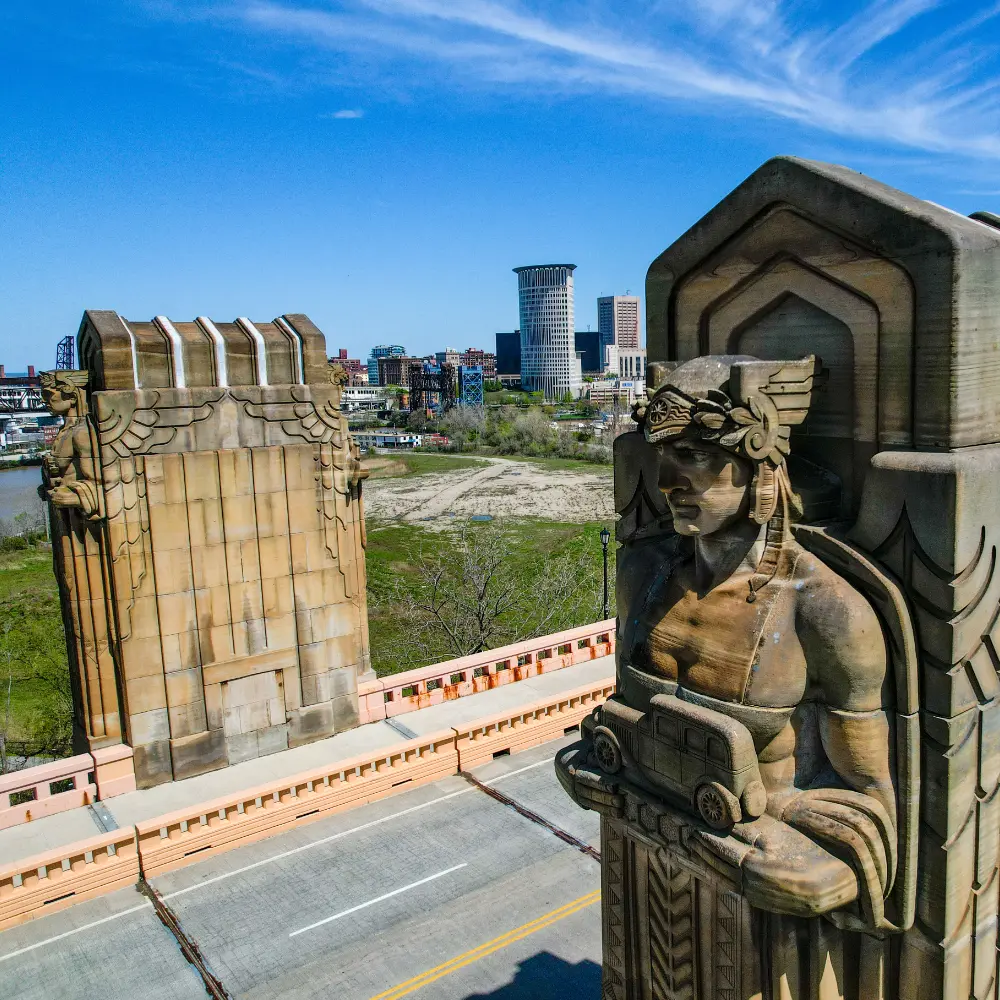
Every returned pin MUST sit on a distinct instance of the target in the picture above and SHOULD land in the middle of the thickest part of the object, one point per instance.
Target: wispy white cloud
(908, 73)
(345, 113)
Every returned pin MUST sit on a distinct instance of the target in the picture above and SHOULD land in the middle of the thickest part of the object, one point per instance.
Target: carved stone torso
(59, 462)
(718, 644)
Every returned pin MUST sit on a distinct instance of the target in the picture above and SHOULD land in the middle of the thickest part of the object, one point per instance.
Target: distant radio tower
(66, 352)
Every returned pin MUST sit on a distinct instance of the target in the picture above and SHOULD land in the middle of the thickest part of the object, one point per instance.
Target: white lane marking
(318, 843)
(520, 770)
(275, 857)
(347, 833)
(379, 899)
(75, 930)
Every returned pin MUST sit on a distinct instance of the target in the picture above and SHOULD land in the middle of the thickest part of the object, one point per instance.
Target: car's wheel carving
(607, 751)
(715, 805)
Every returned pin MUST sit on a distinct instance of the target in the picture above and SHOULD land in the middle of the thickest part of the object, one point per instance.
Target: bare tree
(8, 685)
(480, 594)
(464, 425)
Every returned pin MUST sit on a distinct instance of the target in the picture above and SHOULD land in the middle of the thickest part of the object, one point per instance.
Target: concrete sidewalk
(52, 832)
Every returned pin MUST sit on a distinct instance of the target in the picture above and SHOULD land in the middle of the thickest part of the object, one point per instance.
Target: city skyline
(393, 157)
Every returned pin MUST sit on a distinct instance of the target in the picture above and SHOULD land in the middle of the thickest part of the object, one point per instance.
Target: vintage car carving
(697, 755)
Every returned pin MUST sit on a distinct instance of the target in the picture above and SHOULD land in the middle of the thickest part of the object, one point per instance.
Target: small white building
(388, 438)
(625, 362)
(364, 398)
(615, 391)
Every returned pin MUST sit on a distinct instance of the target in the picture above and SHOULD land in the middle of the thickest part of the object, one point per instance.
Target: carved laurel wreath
(754, 430)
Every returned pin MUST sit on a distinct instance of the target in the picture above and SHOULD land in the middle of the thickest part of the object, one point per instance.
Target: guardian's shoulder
(840, 633)
(822, 589)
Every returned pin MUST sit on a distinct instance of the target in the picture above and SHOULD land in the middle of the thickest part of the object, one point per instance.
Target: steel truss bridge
(26, 398)
(21, 399)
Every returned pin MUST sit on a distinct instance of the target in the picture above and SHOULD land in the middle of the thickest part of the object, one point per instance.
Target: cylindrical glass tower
(549, 362)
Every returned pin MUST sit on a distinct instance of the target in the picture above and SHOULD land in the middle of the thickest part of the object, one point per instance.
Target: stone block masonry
(205, 498)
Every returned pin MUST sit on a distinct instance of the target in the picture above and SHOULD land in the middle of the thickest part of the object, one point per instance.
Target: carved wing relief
(306, 415)
(136, 423)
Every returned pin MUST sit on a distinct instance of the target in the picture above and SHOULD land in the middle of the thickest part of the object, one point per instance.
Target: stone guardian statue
(71, 482)
(749, 750)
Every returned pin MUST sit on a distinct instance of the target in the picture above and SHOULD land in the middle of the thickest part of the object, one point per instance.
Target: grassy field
(33, 669)
(393, 553)
(33, 666)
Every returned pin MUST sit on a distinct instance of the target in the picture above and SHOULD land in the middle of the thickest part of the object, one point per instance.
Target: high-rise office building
(588, 346)
(618, 320)
(509, 353)
(382, 351)
(549, 362)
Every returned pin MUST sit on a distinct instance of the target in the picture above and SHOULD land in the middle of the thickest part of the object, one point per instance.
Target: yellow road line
(468, 957)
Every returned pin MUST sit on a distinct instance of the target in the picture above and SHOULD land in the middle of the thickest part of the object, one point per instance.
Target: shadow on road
(546, 977)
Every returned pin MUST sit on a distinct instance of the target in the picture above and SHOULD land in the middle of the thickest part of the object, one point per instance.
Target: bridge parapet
(415, 689)
(55, 879)
(60, 785)
(71, 874)
(65, 784)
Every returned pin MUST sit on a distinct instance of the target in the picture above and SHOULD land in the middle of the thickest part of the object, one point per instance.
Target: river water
(18, 491)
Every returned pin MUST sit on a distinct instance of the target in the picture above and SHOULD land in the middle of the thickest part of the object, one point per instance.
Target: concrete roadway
(439, 892)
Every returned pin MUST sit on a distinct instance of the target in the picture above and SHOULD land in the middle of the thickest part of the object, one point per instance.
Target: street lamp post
(605, 538)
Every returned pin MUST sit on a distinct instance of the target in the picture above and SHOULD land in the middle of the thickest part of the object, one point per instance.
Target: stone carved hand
(82, 495)
(856, 828)
(63, 496)
(779, 865)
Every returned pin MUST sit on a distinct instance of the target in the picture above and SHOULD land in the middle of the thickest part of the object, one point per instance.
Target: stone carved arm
(849, 805)
(777, 867)
(857, 824)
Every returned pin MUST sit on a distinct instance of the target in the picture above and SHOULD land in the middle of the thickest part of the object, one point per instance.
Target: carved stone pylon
(208, 530)
(896, 468)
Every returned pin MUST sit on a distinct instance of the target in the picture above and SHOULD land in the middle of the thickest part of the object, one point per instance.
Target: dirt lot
(504, 488)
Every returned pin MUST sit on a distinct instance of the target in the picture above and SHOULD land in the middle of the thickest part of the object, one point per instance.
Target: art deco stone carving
(798, 775)
(208, 530)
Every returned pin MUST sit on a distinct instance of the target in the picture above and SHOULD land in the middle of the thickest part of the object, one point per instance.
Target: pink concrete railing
(46, 789)
(415, 689)
(538, 722)
(70, 874)
(65, 784)
(77, 781)
(59, 878)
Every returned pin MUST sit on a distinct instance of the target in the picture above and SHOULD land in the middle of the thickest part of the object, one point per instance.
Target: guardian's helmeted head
(64, 390)
(728, 404)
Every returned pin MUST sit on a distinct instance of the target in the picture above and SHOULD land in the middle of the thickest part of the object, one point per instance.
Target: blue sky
(382, 164)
